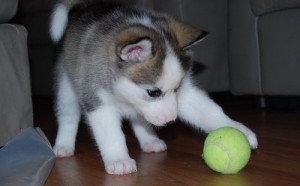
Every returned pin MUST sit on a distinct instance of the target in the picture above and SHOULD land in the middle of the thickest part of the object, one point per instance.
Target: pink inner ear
(135, 49)
(135, 53)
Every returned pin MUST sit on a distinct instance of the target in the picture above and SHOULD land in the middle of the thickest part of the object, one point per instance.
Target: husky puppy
(117, 62)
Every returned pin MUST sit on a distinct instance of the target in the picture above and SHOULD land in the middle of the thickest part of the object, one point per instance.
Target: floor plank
(276, 162)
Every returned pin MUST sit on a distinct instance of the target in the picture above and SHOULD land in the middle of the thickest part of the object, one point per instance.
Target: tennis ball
(226, 150)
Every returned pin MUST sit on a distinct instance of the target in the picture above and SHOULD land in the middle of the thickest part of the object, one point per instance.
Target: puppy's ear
(187, 36)
(136, 51)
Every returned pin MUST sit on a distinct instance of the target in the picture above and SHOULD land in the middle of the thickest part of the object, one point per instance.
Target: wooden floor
(275, 163)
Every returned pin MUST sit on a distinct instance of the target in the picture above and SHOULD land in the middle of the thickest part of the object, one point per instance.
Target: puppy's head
(153, 60)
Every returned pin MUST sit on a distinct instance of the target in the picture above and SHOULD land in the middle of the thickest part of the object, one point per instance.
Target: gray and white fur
(117, 62)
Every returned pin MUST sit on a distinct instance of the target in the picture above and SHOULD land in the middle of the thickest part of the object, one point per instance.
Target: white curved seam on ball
(225, 150)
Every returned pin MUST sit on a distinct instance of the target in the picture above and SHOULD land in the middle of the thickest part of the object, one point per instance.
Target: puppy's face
(155, 99)
(153, 67)
(160, 104)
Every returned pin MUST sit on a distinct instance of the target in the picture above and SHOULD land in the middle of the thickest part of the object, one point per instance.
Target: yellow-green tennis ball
(226, 150)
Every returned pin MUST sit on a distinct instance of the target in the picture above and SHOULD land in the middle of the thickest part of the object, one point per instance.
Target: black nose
(170, 122)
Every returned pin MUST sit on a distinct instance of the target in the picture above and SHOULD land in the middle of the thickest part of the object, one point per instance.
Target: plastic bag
(27, 159)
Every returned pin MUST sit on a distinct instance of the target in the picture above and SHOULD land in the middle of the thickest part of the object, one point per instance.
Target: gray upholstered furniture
(15, 93)
(253, 46)
(264, 47)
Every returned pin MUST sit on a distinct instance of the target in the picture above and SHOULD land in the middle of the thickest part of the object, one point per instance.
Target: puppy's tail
(59, 19)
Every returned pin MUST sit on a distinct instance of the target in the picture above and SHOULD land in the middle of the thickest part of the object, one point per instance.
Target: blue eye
(154, 93)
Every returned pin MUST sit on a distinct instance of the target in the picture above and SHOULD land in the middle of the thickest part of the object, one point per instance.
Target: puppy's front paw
(63, 151)
(154, 146)
(249, 134)
(251, 138)
(121, 167)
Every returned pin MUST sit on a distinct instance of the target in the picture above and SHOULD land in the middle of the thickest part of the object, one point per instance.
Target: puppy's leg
(105, 122)
(147, 137)
(197, 109)
(68, 116)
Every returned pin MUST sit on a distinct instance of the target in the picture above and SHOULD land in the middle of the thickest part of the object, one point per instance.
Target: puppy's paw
(249, 134)
(121, 167)
(63, 151)
(251, 138)
(154, 146)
